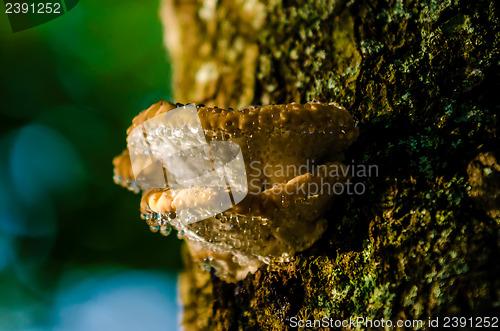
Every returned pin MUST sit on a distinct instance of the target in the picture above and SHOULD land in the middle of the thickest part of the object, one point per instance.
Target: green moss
(305, 38)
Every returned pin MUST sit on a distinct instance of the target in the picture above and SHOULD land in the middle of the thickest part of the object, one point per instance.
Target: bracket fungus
(291, 156)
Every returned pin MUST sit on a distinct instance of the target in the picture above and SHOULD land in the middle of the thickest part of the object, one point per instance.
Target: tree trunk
(422, 78)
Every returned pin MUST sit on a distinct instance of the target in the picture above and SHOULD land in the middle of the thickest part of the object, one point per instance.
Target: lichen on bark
(422, 78)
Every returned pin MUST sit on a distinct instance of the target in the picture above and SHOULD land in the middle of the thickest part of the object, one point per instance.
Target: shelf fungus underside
(292, 157)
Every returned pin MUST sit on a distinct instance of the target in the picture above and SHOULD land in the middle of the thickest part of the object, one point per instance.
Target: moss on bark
(422, 78)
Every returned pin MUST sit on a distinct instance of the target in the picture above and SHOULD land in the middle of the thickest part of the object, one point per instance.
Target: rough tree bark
(422, 78)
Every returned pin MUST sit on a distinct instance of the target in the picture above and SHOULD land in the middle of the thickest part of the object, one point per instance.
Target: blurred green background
(74, 253)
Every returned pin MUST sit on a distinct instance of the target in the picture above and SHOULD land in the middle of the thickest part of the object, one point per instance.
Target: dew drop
(165, 230)
(117, 179)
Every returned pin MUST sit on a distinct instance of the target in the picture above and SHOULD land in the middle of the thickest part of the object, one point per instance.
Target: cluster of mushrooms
(292, 157)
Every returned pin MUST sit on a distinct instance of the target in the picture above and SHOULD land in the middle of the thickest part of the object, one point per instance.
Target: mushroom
(292, 159)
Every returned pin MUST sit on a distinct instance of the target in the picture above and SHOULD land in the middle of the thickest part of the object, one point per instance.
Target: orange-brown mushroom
(288, 150)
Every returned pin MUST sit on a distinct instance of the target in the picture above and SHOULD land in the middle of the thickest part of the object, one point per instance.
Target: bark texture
(422, 77)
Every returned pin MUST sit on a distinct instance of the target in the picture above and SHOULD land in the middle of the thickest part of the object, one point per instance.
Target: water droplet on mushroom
(165, 230)
(117, 179)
